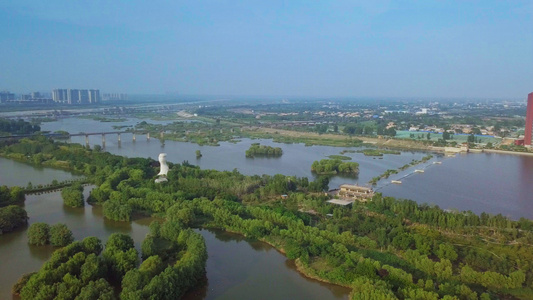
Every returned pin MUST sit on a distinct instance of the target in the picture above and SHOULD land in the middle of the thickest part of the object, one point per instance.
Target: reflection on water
(14, 173)
(484, 182)
(242, 269)
(494, 183)
(238, 268)
(18, 257)
(41, 252)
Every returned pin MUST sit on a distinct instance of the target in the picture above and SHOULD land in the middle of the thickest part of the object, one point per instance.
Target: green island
(347, 151)
(378, 152)
(57, 235)
(119, 127)
(257, 149)
(381, 249)
(11, 216)
(73, 195)
(341, 157)
(103, 118)
(334, 166)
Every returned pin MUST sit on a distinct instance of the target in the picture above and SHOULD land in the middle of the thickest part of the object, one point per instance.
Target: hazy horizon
(341, 49)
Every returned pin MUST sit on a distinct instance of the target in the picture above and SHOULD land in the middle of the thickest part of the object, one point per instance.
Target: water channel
(480, 182)
(494, 183)
(236, 267)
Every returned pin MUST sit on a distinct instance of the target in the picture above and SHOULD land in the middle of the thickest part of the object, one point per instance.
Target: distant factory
(528, 131)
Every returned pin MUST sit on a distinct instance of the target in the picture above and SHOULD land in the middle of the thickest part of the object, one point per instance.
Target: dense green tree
(92, 245)
(17, 126)
(9, 195)
(94, 268)
(39, 234)
(258, 150)
(120, 255)
(446, 251)
(380, 247)
(97, 290)
(65, 275)
(60, 235)
(117, 211)
(334, 166)
(11, 217)
(183, 215)
(73, 195)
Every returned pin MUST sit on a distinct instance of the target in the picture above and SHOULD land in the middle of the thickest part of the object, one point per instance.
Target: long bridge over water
(86, 134)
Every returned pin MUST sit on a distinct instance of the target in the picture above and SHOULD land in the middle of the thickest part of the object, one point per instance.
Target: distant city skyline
(452, 49)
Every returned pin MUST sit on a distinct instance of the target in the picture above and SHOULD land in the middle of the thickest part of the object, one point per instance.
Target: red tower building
(529, 120)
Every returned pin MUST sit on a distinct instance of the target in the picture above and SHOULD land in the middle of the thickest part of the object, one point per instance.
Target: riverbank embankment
(507, 152)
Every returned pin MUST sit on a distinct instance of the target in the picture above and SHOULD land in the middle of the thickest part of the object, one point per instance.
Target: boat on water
(419, 171)
(437, 162)
(396, 181)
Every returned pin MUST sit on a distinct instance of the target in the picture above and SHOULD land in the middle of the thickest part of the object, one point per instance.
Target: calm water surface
(494, 183)
(18, 257)
(13, 173)
(480, 182)
(236, 267)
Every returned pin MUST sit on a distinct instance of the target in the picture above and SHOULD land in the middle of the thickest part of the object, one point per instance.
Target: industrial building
(529, 120)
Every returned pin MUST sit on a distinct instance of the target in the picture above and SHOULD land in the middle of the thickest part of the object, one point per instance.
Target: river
(18, 174)
(295, 161)
(236, 267)
(480, 182)
(495, 183)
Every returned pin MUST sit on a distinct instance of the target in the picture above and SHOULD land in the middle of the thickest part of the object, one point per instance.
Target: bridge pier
(118, 137)
(148, 136)
(103, 140)
(86, 139)
(162, 135)
(134, 136)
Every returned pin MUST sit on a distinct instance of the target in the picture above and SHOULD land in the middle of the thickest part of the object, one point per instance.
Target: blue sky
(280, 48)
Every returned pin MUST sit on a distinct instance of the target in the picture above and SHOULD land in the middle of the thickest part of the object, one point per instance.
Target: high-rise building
(6, 96)
(59, 95)
(73, 96)
(94, 96)
(529, 120)
(83, 97)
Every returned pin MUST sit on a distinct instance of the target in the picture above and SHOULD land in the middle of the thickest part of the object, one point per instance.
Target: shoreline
(306, 271)
(507, 152)
(309, 273)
